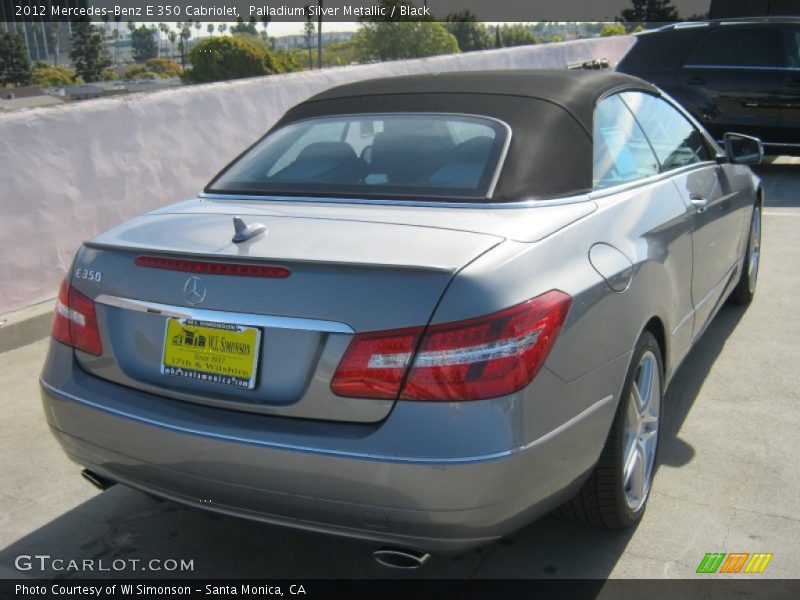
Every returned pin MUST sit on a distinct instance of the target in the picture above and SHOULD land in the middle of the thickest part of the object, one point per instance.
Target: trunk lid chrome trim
(201, 314)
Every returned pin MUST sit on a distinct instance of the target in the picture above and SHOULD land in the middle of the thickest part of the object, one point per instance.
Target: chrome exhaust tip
(400, 558)
(98, 481)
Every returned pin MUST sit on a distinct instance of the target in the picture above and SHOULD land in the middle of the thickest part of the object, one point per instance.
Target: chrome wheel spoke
(635, 474)
(631, 465)
(641, 472)
(632, 415)
(645, 382)
(641, 431)
(638, 399)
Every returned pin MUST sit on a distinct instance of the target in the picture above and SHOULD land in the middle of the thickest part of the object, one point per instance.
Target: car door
(716, 211)
(652, 222)
(790, 88)
(732, 79)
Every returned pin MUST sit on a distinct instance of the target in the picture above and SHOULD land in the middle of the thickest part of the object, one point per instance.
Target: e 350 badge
(88, 274)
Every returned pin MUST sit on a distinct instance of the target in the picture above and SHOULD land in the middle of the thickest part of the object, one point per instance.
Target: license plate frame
(214, 360)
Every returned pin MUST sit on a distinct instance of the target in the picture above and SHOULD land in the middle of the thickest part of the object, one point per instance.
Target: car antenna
(244, 231)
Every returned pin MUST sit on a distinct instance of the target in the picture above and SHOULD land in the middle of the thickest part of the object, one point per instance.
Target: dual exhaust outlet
(400, 558)
(394, 558)
(98, 481)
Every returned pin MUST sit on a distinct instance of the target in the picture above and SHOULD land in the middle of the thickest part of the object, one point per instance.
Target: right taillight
(75, 321)
(474, 359)
(375, 363)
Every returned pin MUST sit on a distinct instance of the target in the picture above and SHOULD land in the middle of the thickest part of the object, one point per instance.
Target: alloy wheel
(754, 250)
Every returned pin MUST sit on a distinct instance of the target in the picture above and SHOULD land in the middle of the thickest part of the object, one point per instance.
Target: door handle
(700, 204)
(695, 80)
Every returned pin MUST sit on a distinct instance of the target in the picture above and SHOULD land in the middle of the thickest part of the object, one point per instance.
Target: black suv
(738, 75)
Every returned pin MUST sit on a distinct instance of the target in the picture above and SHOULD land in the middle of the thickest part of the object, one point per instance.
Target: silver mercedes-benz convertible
(422, 311)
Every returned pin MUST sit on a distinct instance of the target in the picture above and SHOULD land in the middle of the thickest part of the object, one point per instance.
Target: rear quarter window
(621, 151)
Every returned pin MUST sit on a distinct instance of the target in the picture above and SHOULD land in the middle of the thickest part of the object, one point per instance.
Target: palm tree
(210, 29)
(185, 34)
(222, 27)
(265, 21)
(54, 38)
(115, 35)
(36, 30)
(319, 34)
(164, 29)
(117, 19)
(131, 29)
(172, 37)
(308, 30)
(198, 25)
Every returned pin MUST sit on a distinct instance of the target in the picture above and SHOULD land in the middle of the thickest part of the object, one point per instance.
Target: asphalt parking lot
(729, 479)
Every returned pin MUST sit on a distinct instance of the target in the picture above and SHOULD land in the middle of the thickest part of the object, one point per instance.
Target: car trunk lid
(346, 276)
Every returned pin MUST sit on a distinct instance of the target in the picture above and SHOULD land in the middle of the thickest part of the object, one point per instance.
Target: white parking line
(769, 213)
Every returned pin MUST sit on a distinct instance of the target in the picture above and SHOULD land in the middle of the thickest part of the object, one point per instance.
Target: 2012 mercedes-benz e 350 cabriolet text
(421, 311)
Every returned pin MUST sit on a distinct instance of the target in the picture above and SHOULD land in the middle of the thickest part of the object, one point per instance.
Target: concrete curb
(26, 326)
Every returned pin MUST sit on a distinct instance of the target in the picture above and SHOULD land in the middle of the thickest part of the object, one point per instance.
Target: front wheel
(746, 287)
(615, 495)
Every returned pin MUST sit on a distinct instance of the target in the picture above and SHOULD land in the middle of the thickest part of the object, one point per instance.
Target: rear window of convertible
(412, 156)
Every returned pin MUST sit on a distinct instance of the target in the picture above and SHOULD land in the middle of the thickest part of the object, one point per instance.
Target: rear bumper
(342, 479)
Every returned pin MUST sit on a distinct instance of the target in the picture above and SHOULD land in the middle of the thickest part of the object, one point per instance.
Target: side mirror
(743, 149)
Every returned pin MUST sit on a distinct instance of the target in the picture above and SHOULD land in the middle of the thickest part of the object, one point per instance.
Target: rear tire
(615, 495)
(746, 287)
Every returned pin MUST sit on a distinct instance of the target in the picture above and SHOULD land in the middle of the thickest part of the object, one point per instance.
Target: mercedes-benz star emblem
(194, 291)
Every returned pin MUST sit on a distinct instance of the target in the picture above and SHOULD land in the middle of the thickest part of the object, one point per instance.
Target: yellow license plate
(211, 352)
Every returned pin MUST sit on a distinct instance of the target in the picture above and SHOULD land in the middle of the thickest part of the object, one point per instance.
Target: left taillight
(485, 357)
(75, 321)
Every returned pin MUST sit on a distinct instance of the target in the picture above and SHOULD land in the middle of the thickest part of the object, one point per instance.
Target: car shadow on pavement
(122, 524)
(687, 381)
(780, 185)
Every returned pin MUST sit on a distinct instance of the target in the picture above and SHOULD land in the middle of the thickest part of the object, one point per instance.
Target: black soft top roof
(549, 111)
(576, 91)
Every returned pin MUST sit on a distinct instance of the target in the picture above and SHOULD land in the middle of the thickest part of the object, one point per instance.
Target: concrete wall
(70, 172)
